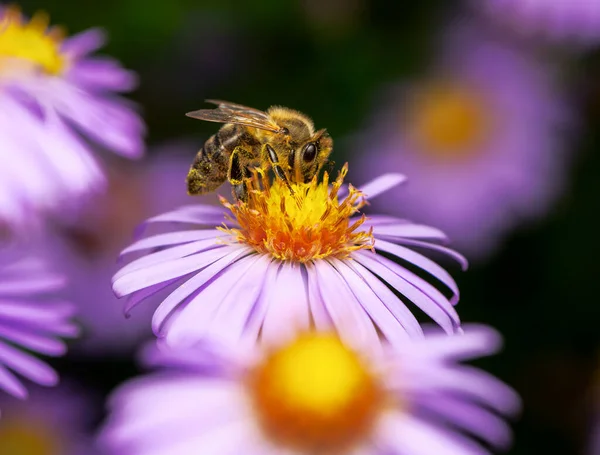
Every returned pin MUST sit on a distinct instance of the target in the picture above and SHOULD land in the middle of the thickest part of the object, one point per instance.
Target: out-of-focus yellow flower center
(24, 437)
(31, 42)
(448, 120)
(316, 395)
(309, 224)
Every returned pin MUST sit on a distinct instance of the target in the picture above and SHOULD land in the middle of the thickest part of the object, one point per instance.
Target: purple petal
(66, 329)
(102, 74)
(211, 267)
(269, 292)
(168, 254)
(30, 285)
(423, 263)
(216, 357)
(138, 297)
(351, 321)
(231, 317)
(110, 122)
(381, 184)
(477, 341)
(319, 313)
(407, 230)
(287, 309)
(11, 384)
(35, 314)
(380, 220)
(213, 402)
(395, 306)
(403, 433)
(415, 289)
(194, 319)
(432, 246)
(27, 365)
(379, 311)
(468, 382)
(231, 437)
(32, 341)
(199, 214)
(171, 238)
(84, 43)
(141, 278)
(472, 417)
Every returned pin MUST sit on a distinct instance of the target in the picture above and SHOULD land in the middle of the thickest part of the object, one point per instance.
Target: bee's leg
(276, 167)
(237, 175)
(240, 192)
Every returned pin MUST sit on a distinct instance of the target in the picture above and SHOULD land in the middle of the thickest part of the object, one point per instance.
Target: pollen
(316, 395)
(28, 437)
(32, 43)
(300, 223)
(448, 120)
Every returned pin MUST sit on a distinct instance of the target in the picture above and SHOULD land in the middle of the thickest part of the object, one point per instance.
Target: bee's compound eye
(285, 131)
(309, 153)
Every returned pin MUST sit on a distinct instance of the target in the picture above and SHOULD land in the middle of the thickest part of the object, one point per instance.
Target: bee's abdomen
(209, 169)
(219, 146)
(230, 136)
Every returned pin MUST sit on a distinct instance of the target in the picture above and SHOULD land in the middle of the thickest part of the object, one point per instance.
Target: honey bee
(281, 139)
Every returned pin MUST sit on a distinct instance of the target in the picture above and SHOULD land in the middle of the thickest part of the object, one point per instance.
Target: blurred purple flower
(85, 251)
(52, 92)
(51, 422)
(594, 445)
(480, 141)
(264, 273)
(30, 320)
(315, 395)
(568, 21)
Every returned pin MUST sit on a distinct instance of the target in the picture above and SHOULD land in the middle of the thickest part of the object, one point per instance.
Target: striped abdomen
(211, 165)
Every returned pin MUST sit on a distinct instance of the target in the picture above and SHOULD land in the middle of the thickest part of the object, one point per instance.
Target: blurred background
(335, 61)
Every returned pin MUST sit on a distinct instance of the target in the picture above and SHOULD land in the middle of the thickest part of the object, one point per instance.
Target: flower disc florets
(316, 395)
(300, 223)
(30, 41)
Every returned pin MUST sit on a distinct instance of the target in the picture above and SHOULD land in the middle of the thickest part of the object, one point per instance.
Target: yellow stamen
(28, 438)
(448, 120)
(316, 395)
(310, 223)
(30, 42)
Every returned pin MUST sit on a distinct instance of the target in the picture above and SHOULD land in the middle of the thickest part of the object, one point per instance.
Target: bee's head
(306, 160)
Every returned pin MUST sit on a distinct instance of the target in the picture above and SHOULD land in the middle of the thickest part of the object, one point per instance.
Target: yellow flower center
(448, 120)
(310, 223)
(316, 395)
(31, 43)
(24, 437)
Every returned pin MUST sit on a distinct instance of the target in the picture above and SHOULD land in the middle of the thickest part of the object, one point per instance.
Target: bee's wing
(227, 106)
(235, 113)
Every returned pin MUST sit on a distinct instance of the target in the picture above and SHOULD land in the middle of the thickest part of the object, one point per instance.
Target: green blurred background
(330, 59)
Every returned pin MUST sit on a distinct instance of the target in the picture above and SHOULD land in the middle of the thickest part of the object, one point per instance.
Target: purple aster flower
(253, 269)
(51, 422)
(30, 321)
(569, 21)
(85, 250)
(53, 92)
(480, 140)
(315, 394)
